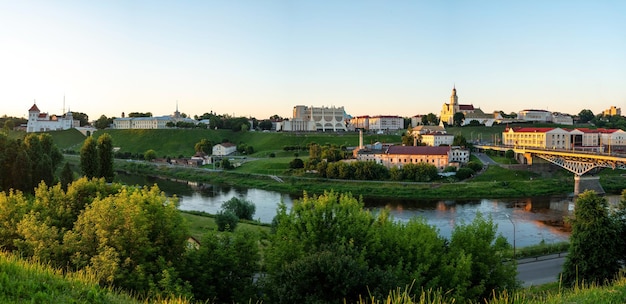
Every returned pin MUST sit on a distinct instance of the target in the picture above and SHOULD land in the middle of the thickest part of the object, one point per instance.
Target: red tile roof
(531, 130)
(33, 108)
(466, 107)
(418, 150)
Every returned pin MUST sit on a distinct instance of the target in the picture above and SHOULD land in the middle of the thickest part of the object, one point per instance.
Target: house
(42, 122)
(202, 158)
(437, 139)
(398, 156)
(224, 149)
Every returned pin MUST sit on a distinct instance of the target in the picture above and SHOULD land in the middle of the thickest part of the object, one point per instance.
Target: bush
(464, 173)
(226, 221)
(296, 163)
(475, 166)
(239, 207)
(272, 155)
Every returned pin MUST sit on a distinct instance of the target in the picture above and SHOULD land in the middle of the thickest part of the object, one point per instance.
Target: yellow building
(449, 109)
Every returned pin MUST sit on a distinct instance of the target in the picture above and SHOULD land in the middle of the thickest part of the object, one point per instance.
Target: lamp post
(511, 220)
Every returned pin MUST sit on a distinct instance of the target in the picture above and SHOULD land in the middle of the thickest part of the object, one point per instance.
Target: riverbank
(495, 182)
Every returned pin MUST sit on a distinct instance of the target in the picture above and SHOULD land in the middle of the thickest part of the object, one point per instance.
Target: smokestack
(360, 139)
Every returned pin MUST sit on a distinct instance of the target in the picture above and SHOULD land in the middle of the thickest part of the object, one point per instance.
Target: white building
(316, 119)
(386, 123)
(42, 122)
(157, 122)
(437, 139)
(224, 149)
(535, 115)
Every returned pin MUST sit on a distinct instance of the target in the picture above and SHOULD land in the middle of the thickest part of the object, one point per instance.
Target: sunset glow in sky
(259, 58)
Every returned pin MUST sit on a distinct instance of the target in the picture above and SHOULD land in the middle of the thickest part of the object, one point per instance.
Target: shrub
(296, 163)
(464, 173)
(226, 221)
(476, 166)
(239, 207)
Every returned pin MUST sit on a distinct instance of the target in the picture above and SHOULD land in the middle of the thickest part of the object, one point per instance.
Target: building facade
(449, 109)
(583, 139)
(224, 149)
(386, 123)
(43, 122)
(316, 119)
(437, 139)
(612, 111)
(156, 122)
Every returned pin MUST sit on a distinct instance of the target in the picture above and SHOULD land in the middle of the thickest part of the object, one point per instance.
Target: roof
(531, 130)
(227, 144)
(33, 108)
(418, 150)
(464, 107)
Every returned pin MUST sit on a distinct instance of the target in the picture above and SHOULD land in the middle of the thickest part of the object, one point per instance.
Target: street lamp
(511, 220)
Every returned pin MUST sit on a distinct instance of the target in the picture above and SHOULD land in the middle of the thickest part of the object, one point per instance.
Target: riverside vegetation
(41, 227)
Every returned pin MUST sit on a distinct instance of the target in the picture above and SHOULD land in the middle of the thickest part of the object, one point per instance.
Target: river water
(526, 221)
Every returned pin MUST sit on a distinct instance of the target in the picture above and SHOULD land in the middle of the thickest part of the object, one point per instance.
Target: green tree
(593, 255)
(105, 157)
(315, 151)
(130, 239)
(510, 154)
(149, 155)
(223, 269)
(477, 246)
(296, 163)
(225, 164)
(81, 117)
(103, 122)
(226, 220)
(407, 139)
(67, 176)
(458, 118)
(205, 146)
(242, 208)
(89, 158)
(459, 140)
(585, 116)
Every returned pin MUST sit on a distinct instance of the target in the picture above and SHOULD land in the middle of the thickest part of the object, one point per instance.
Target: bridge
(575, 161)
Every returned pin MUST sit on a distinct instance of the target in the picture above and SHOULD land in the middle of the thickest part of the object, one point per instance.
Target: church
(449, 109)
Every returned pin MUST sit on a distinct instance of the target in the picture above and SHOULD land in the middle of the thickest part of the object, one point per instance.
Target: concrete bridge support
(583, 183)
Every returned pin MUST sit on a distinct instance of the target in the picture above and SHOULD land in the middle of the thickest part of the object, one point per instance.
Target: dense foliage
(332, 243)
(24, 163)
(595, 244)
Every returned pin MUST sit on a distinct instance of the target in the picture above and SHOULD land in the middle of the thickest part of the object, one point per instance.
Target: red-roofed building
(398, 156)
(449, 109)
(570, 139)
(43, 122)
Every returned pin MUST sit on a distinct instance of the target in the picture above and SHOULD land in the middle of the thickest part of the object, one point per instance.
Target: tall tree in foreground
(89, 158)
(105, 157)
(594, 244)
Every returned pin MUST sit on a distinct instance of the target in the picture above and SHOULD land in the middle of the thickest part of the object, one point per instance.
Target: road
(539, 271)
(484, 158)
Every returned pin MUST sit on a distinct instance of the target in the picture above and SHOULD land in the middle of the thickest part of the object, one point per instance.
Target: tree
(205, 146)
(139, 114)
(226, 221)
(296, 163)
(593, 255)
(103, 122)
(242, 208)
(458, 118)
(432, 119)
(81, 117)
(9, 124)
(510, 154)
(224, 267)
(265, 124)
(407, 139)
(89, 158)
(149, 155)
(585, 116)
(67, 176)
(459, 140)
(105, 157)
(225, 164)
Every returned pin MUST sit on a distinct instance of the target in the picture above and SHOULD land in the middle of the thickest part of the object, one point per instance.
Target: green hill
(26, 282)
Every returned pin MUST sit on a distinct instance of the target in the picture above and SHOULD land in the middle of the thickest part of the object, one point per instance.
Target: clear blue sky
(259, 58)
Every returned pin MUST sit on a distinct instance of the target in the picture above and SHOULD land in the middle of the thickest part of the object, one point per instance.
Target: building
(398, 156)
(316, 119)
(612, 111)
(224, 149)
(427, 129)
(535, 115)
(386, 123)
(583, 139)
(360, 122)
(43, 122)
(437, 139)
(449, 109)
(562, 119)
(156, 122)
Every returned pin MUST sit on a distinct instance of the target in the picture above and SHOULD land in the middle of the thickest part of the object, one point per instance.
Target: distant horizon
(258, 59)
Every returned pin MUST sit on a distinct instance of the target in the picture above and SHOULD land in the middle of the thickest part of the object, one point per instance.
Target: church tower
(454, 101)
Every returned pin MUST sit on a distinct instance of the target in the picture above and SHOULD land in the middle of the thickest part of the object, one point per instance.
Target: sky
(260, 58)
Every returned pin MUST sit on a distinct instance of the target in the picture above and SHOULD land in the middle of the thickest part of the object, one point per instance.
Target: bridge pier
(583, 183)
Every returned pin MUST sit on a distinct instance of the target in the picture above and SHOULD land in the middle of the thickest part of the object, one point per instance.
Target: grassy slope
(22, 281)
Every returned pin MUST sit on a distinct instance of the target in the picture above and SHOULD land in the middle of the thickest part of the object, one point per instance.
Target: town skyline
(259, 59)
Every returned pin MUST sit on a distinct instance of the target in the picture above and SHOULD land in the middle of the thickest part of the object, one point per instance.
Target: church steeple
(453, 98)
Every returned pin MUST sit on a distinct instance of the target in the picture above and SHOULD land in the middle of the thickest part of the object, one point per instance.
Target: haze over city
(260, 58)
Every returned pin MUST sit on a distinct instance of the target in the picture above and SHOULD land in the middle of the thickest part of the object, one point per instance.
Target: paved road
(539, 271)
(484, 158)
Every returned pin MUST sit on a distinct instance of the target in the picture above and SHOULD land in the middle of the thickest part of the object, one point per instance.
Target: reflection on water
(534, 219)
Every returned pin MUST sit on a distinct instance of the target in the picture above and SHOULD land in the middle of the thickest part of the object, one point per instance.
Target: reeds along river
(533, 219)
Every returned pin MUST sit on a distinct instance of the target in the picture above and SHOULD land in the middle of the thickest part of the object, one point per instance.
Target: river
(525, 221)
